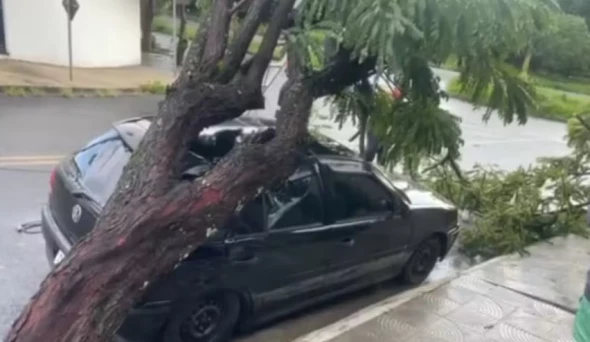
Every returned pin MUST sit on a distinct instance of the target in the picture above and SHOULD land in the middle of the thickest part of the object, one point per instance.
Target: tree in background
(154, 215)
(560, 45)
(146, 16)
(564, 47)
(182, 40)
(579, 8)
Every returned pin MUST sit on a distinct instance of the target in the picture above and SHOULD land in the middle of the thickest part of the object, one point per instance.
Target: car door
(371, 231)
(284, 265)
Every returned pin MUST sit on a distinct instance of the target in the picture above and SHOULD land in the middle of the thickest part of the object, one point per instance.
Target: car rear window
(101, 163)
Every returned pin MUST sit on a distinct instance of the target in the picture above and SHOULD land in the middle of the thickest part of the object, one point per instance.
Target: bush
(155, 87)
(163, 24)
(512, 210)
(551, 104)
(580, 85)
(564, 48)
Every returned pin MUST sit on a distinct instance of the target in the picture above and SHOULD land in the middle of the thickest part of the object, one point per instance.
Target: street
(35, 132)
(32, 133)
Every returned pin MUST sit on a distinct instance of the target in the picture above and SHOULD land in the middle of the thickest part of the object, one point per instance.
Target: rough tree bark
(153, 215)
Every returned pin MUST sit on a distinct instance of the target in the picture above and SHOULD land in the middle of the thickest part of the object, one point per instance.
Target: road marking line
(28, 158)
(30, 163)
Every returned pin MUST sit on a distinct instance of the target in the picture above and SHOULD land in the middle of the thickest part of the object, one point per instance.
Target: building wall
(105, 33)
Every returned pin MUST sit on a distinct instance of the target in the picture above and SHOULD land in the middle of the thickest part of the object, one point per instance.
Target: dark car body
(338, 224)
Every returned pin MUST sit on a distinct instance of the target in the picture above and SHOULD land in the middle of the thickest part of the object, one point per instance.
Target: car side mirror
(404, 210)
(388, 205)
(397, 207)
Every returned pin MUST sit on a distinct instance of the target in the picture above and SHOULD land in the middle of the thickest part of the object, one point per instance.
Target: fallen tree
(155, 216)
(511, 210)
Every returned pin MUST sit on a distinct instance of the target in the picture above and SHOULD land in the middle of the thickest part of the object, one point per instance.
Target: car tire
(422, 262)
(209, 318)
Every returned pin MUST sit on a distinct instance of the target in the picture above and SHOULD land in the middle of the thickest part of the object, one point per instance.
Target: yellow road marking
(7, 161)
(30, 163)
(29, 158)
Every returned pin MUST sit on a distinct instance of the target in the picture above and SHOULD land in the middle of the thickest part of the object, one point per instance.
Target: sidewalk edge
(25, 91)
(341, 326)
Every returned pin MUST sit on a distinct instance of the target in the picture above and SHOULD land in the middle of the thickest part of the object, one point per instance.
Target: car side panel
(429, 222)
(287, 266)
(378, 249)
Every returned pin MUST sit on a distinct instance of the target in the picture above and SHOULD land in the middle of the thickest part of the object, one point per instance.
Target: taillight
(52, 179)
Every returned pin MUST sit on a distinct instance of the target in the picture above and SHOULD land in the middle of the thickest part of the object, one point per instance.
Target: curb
(341, 326)
(38, 91)
(368, 313)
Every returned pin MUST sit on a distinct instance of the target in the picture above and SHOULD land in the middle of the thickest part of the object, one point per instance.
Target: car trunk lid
(74, 212)
(81, 184)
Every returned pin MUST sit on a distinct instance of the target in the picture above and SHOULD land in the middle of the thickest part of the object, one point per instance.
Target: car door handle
(242, 256)
(347, 241)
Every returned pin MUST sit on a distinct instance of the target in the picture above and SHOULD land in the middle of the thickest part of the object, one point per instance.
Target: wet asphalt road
(36, 127)
(33, 128)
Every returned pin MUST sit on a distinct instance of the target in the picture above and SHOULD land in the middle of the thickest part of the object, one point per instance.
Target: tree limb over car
(154, 215)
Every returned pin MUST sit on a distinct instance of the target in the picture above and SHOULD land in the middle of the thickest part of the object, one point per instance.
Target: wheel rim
(202, 321)
(425, 260)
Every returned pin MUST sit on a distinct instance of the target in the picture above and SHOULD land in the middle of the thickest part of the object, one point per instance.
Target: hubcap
(423, 261)
(202, 322)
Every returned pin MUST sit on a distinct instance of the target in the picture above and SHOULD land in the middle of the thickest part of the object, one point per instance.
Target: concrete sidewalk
(24, 74)
(531, 298)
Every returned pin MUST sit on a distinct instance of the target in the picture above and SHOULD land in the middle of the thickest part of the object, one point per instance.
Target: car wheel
(422, 262)
(211, 318)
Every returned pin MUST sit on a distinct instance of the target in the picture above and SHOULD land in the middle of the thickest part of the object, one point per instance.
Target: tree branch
(239, 48)
(264, 55)
(181, 117)
(190, 67)
(583, 122)
(340, 73)
(217, 34)
(453, 165)
(239, 6)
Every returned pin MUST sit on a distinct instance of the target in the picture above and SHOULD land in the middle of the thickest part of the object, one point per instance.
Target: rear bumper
(55, 240)
(144, 324)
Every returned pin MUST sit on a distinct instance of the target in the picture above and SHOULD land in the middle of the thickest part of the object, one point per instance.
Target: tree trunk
(155, 216)
(146, 20)
(87, 296)
(182, 41)
(526, 63)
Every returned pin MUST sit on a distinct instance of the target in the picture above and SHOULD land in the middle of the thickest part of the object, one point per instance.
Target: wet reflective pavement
(297, 325)
(513, 298)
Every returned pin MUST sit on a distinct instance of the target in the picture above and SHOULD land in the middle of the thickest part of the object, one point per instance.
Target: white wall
(105, 33)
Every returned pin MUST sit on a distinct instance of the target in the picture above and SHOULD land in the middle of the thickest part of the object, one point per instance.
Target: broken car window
(296, 202)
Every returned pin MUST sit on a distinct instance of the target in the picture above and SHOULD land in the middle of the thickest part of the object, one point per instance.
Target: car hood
(420, 197)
